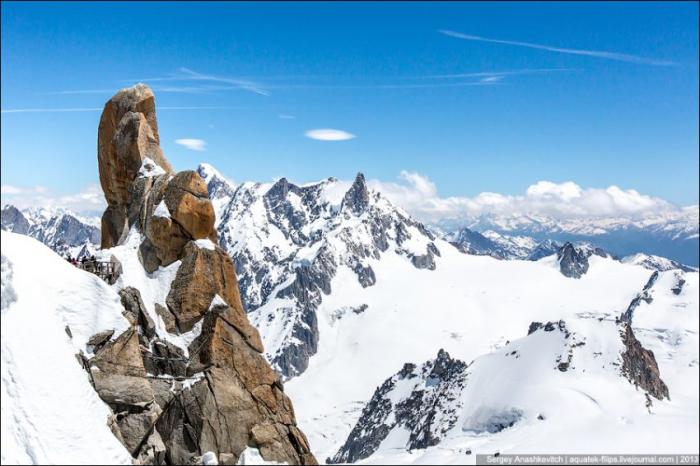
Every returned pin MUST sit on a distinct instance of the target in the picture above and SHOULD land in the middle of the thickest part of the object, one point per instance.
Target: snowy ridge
(48, 314)
(535, 393)
(652, 262)
(289, 242)
(474, 305)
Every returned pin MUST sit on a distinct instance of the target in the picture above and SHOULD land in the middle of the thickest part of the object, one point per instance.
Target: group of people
(82, 261)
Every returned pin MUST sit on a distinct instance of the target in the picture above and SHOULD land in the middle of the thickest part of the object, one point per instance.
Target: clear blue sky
(537, 105)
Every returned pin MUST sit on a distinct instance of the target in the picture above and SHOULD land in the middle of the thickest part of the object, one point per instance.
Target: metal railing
(106, 270)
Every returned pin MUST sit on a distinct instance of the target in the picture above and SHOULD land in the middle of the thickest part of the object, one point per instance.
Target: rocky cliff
(187, 381)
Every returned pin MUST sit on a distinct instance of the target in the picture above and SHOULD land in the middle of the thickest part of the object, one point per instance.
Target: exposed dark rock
(678, 286)
(573, 263)
(639, 366)
(357, 198)
(99, 339)
(11, 219)
(165, 359)
(644, 296)
(132, 302)
(472, 242)
(427, 412)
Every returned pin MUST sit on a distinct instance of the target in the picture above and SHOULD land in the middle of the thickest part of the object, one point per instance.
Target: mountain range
(404, 342)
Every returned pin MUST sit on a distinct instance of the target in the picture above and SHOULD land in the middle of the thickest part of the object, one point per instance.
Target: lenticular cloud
(327, 134)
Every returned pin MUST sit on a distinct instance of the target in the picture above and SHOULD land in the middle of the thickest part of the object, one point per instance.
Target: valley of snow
(472, 305)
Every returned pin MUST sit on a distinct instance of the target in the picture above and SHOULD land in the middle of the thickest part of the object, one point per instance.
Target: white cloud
(89, 199)
(591, 53)
(192, 144)
(9, 189)
(418, 195)
(327, 134)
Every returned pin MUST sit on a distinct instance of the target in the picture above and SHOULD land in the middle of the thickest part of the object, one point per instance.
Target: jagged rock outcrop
(127, 136)
(639, 366)
(288, 242)
(200, 387)
(573, 263)
(573, 260)
(13, 220)
(422, 400)
(357, 197)
(645, 296)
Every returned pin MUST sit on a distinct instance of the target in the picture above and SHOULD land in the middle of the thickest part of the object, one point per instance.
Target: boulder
(132, 302)
(115, 226)
(168, 239)
(204, 274)
(186, 197)
(135, 427)
(99, 339)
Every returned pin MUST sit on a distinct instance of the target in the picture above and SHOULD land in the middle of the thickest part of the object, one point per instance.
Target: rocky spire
(357, 197)
(573, 263)
(127, 135)
(215, 394)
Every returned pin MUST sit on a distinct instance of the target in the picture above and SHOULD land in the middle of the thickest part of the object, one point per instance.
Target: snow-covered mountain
(346, 289)
(490, 243)
(290, 241)
(65, 232)
(671, 234)
(354, 299)
(653, 262)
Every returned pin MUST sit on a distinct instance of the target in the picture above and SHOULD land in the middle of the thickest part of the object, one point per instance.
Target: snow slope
(346, 288)
(470, 306)
(50, 412)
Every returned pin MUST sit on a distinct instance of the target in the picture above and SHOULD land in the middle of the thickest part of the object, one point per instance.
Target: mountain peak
(357, 197)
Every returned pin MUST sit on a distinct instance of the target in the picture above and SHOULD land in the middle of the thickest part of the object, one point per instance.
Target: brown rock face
(639, 366)
(172, 405)
(127, 134)
(187, 200)
(203, 274)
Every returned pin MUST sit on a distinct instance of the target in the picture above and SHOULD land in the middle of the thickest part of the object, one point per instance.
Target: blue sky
(474, 97)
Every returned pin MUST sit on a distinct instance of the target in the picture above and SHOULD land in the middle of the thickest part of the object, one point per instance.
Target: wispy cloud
(487, 74)
(591, 53)
(327, 134)
(188, 75)
(99, 109)
(12, 190)
(192, 144)
(50, 110)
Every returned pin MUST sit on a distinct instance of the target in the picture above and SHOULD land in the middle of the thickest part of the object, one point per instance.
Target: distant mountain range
(673, 235)
(65, 232)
